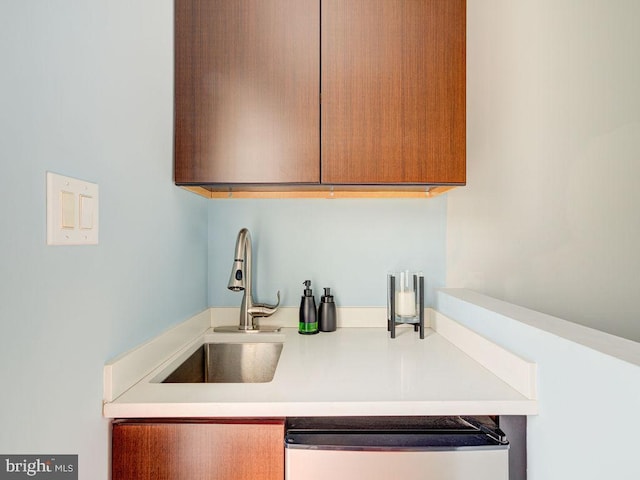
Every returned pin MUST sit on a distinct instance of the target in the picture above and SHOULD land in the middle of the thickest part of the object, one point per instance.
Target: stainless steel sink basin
(229, 363)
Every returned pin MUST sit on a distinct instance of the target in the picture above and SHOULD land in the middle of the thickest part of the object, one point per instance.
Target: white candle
(406, 303)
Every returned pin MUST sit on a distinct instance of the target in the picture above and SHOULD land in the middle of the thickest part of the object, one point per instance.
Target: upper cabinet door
(247, 91)
(393, 91)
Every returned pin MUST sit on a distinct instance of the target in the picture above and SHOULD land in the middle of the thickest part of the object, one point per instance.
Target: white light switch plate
(72, 211)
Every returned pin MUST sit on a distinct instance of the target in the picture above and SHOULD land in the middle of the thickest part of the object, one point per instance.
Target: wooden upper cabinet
(247, 91)
(393, 91)
(337, 92)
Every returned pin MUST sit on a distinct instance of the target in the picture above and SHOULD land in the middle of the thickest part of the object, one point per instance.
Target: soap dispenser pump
(308, 316)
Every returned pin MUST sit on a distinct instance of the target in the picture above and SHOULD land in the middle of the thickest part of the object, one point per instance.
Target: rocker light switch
(72, 211)
(86, 212)
(68, 204)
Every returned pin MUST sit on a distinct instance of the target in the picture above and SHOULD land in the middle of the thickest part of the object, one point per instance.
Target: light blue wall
(347, 244)
(86, 91)
(588, 400)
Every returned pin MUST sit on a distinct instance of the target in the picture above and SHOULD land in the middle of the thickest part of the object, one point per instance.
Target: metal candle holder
(405, 301)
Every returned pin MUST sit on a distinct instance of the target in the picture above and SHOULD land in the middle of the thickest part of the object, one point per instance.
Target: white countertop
(353, 371)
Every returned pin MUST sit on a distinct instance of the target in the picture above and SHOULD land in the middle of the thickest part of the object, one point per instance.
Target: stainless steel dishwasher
(407, 448)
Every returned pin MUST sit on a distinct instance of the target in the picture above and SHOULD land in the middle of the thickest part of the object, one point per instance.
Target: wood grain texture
(393, 91)
(195, 450)
(247, 91)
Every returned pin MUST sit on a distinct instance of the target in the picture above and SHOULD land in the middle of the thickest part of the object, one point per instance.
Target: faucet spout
(241, 280)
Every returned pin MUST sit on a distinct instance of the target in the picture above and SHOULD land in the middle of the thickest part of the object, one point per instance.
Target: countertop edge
(287, 409)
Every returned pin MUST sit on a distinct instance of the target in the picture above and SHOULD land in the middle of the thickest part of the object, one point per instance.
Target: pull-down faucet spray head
(236, 280)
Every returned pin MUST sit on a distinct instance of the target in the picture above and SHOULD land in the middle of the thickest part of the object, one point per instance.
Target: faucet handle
(262, 309)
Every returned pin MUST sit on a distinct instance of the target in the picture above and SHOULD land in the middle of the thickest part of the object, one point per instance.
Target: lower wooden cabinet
(198, 449)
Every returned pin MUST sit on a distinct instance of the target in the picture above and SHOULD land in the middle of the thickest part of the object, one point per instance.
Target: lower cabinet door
(193, 450)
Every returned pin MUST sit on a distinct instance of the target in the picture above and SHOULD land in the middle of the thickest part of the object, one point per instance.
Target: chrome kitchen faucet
(240, 280)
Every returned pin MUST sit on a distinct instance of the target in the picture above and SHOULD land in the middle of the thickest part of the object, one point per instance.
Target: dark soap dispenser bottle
(327, 312)
(308, 316)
